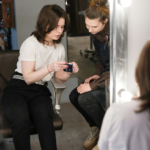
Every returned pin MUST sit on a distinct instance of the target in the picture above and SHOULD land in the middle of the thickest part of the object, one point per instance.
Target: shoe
(92, 138)
(96, 147)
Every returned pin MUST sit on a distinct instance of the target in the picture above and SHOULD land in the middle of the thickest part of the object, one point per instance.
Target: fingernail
(65, 63)
(73, 67)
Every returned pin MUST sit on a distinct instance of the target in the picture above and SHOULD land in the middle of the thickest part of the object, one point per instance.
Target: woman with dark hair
(26, 98)
(89, 97)
(127, 126)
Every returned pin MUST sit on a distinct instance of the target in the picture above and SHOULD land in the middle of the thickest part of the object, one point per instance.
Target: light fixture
(125, 95)
(125, 3)
(67, 3)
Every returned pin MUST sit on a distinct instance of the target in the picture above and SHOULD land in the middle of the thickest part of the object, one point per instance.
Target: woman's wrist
(48, 69)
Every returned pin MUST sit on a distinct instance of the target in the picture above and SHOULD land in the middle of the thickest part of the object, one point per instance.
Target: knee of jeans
(81, 100)
(21, 122)
(72, 97)
(43, 120)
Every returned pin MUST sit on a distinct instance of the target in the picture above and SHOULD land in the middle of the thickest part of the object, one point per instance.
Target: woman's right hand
(94, 77)
(57, 66)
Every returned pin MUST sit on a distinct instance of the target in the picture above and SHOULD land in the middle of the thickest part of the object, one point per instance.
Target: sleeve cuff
(25, 59)
(93, 86)
(97, 73)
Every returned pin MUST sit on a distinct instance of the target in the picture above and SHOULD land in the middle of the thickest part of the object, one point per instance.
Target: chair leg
(58, 93)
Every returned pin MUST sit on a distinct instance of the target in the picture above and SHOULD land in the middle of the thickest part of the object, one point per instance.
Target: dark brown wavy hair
(49, 17)
(97, 9)
(142, 77)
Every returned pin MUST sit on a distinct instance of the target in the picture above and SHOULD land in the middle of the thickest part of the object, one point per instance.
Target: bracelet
(48, 69)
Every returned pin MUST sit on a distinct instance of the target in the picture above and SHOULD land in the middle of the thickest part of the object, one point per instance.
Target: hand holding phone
(70, 68)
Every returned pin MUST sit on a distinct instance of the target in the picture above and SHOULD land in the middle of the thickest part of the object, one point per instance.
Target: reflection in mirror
(90, 52)
(89, 98)
(79, 40)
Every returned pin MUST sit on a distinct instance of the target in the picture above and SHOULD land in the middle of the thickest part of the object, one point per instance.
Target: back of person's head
(97, 9)
(142, 76)
(47, 21)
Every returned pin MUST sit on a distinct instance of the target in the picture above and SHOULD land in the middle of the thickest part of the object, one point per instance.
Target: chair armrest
(107, 92)
(58, 86)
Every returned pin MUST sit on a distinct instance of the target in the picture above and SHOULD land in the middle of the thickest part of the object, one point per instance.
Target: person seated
(89, 98)
(126, 126)
(26, 99)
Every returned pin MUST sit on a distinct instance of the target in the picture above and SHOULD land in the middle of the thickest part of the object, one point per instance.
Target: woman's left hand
(82, 88)
(75, 67)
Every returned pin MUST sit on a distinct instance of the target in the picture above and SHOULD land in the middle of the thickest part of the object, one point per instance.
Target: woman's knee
(43, 121)
(82, 100)
(21, 123)
(73, 96)
(85, 99)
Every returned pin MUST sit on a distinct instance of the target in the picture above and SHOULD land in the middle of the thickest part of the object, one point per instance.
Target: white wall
(138, 33)
(26, 14)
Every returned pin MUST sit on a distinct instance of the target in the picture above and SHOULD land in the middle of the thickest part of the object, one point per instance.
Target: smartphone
(70, 68)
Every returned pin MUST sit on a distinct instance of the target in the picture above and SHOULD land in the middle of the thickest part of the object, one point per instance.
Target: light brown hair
(142, 77)
(97, 9)
(49, 17)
